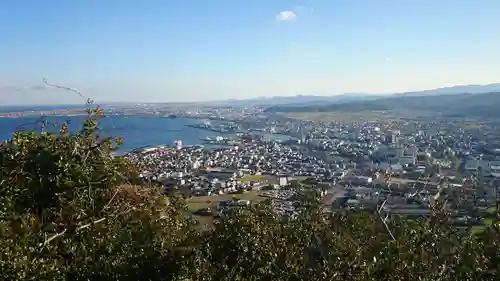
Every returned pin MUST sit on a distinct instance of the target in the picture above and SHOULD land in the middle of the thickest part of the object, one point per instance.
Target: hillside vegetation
(69, 212)
(452, 105)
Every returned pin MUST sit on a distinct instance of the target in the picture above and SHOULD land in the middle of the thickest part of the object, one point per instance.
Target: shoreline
(78, 118)
(41, 115)
(7, 116)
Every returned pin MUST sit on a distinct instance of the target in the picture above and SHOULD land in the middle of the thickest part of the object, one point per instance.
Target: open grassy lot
(473, 126)
(253, 178)
(200, 202)
(306, 181)
(410, 181)
(491, 210)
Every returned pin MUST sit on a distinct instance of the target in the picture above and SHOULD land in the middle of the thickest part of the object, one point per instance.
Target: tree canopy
(68, 211)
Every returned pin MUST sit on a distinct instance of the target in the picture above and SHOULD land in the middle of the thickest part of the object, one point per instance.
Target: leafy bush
(68, 212)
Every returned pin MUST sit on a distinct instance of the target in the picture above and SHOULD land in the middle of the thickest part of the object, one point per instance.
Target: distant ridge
(297, 100)
(461, 89)
(349, 97)
(447, 104)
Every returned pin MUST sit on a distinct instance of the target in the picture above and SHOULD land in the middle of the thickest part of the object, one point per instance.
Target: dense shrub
(68, 212)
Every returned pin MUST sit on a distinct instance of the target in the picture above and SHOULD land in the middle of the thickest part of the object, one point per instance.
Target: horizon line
(83, 104)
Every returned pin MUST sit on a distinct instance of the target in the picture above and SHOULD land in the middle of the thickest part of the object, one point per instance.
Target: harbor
(219, 140)
(223, 128)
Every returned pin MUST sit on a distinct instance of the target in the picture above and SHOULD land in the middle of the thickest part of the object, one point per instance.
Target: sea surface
(136, 131)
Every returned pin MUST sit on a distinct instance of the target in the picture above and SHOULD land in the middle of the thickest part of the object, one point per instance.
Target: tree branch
(63, 87)
(47, 241)
(384, 222)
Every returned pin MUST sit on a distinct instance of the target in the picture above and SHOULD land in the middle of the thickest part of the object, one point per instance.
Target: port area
(219, 127)
(220, 140)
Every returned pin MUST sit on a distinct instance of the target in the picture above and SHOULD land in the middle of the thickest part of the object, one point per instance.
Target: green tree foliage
(69, 212)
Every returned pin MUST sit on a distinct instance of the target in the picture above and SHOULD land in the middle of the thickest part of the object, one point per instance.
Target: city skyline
(174, 51)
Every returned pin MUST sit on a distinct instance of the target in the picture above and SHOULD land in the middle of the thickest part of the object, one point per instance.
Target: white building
(178, 144)
(283, 181)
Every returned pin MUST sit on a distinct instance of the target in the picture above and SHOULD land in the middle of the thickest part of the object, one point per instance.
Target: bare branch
(80, 228)
(22, 127)
(53, 237)
(384, 221)
(382, 206)
(89, 224)
(112, 198)
(64, 88)
(65, 230)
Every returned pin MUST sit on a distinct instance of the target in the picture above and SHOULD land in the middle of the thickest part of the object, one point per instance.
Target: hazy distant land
(479, 99)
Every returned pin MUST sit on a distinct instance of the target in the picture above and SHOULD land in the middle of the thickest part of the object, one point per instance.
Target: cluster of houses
(249, 166)
(403, 163)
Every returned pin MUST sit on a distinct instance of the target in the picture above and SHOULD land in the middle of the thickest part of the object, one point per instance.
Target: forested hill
(487, 104)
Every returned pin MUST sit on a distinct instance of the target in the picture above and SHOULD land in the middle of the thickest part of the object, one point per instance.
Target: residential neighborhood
(401, 164)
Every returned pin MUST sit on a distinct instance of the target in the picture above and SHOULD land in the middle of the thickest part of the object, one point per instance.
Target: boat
(172, 116)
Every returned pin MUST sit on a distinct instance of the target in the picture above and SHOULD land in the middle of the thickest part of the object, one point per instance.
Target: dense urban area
(357, 163)
(354, 160)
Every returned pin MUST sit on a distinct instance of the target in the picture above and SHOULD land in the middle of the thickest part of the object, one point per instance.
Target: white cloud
(388, 59)
(286, 16)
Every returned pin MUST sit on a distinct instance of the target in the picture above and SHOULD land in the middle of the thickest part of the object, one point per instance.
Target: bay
(136, 131)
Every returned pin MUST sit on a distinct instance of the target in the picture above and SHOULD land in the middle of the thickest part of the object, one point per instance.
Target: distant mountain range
(350, 97)
(463, 89)
(445, 103)
(299, 100)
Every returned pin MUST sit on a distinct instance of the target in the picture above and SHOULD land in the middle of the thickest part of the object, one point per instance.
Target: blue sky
(187, 50)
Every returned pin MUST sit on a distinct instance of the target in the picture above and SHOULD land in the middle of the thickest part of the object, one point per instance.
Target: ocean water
(136, 131)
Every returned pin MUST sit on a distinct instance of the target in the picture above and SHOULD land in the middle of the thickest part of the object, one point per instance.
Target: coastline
(15, 115)
(159, 131)
(137, 130)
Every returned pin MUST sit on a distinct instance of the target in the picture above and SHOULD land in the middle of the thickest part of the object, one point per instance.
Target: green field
(473, 126)
(488, 222)
(253, 178)
(491, 210)
(200, 202)
(307, 181)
